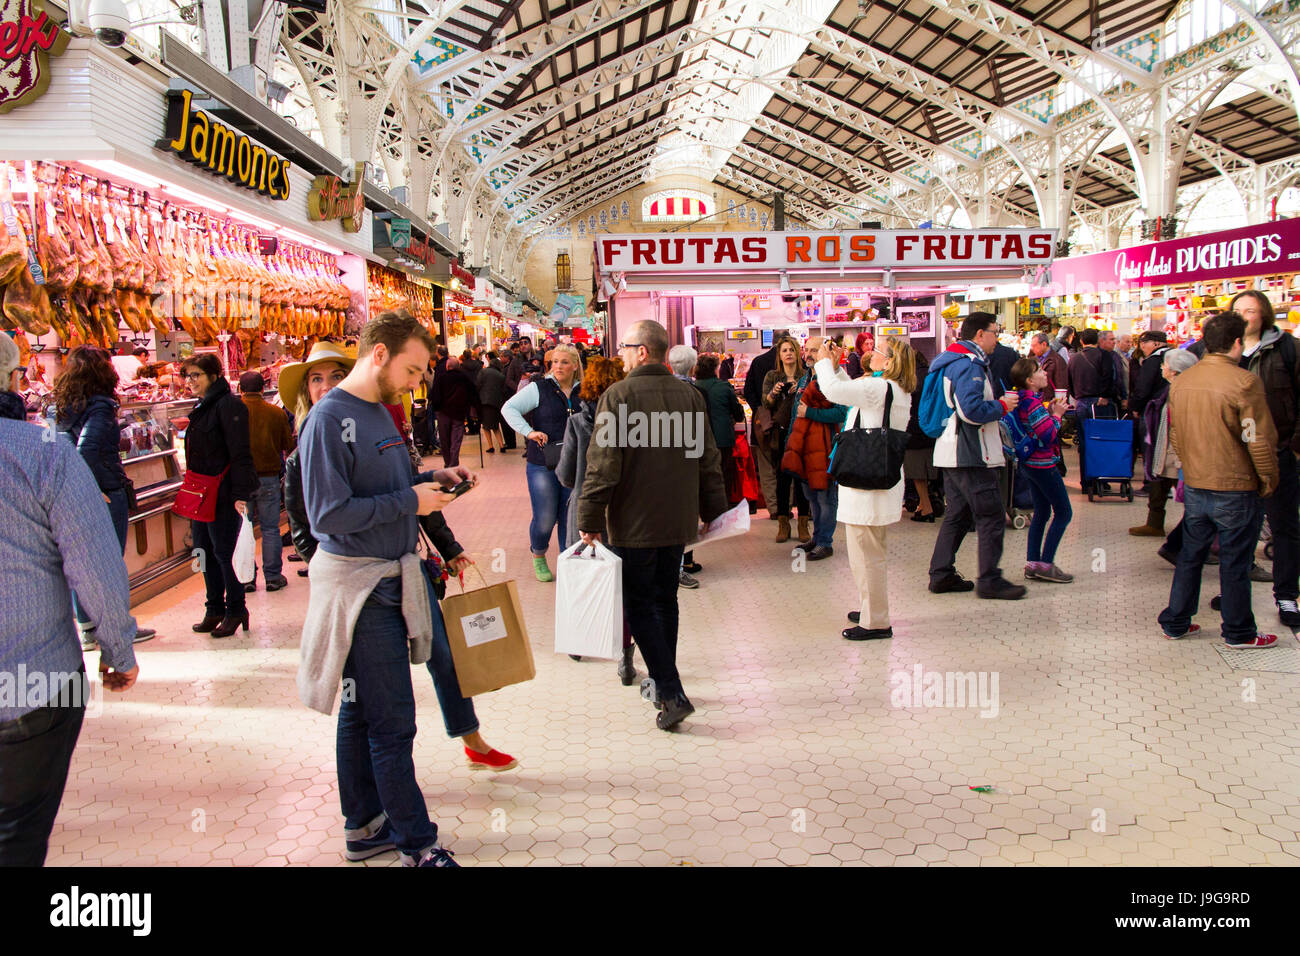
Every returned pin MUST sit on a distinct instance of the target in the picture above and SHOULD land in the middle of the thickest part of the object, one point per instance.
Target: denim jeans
(1236, 516)
(824, 505)
(376, 732)
(216, 539)
(266, 502)
(457, 712)
(650, 579)
(35, 752)
(550, 501)
(1050, 499)
(117, 510)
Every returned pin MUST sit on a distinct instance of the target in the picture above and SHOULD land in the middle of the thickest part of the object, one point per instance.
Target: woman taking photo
(866, 514)
(778, 396)
(540, 412)
(216, 443)
(85, 401)
(302, 385)
(1041, 471)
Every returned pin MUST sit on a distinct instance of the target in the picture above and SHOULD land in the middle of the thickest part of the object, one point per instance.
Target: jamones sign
(867, 249)
(199, 139)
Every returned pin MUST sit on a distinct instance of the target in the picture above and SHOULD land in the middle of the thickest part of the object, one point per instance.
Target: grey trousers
(974, 504)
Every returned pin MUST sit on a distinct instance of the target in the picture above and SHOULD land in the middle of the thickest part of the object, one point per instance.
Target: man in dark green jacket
(653, 471)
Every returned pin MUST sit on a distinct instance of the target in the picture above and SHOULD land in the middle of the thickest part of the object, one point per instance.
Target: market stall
(1174, 285)
(732, 293)
(139, 219)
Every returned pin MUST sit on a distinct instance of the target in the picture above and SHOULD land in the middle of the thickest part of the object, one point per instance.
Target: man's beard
(390, 392)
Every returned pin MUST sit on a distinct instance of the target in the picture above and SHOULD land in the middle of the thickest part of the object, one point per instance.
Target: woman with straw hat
(302, 385)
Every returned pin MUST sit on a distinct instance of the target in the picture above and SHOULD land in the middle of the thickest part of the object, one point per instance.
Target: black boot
(208, 623)
(230, 624)
(626, 672)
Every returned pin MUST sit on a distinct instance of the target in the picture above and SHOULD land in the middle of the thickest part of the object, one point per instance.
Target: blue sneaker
(374, 838)
(436, 855)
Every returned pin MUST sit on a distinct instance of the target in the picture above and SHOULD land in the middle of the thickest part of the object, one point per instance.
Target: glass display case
(157, 541)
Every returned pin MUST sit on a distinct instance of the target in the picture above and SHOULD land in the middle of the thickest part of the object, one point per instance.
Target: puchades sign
(804, 251)
(27, 39)
(199, 139)
(331, 198)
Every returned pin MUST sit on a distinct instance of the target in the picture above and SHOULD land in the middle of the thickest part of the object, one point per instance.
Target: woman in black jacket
(216, 443)
(301, 386)
(85, 400)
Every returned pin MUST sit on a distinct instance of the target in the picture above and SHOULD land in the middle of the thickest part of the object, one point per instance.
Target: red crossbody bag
(196, 498)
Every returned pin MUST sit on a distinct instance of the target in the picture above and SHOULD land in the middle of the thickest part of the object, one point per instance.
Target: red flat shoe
(495, 761)
(1260, 640)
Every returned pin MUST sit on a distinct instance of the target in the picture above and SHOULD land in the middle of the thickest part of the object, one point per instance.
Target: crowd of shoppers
(1224, 428)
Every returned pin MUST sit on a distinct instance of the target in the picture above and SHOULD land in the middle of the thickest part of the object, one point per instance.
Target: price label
(11, 223)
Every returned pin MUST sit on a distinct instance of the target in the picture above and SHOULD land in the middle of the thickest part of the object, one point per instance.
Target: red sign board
(27, 39)
(1267, 249)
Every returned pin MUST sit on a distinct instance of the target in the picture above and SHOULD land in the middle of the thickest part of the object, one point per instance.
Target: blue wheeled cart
(1107, 456)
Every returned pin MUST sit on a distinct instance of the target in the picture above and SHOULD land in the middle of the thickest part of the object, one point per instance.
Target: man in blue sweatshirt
(970, 453)
(362, 504)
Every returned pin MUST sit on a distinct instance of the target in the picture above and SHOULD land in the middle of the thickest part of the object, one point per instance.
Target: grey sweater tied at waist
(339, 587)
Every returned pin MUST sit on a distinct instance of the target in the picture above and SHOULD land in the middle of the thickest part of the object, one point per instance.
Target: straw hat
(292, 375)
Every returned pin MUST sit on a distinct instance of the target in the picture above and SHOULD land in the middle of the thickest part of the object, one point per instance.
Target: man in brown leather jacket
(1223, 433)
(653, 471)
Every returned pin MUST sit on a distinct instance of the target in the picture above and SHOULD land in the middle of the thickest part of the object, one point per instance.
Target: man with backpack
(958, 409)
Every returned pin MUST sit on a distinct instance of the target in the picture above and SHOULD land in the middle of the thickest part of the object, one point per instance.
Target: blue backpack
(1023, 442)
(933, 413)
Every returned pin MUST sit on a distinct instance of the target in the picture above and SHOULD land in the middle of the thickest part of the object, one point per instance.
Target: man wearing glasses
(647, 498)
(970, 453)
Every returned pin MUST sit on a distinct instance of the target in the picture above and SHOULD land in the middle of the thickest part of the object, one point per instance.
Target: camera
(109, 21)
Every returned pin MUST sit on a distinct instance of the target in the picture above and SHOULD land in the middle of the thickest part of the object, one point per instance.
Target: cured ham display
(115, 259)
(389, 289)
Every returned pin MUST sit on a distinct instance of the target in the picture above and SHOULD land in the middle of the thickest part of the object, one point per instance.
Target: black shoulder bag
(870, 459)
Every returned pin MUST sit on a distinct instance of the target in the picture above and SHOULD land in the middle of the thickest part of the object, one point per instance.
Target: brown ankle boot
(782, 530)
(805, 528)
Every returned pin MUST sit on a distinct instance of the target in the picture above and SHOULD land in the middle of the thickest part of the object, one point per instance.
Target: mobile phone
(458, 490)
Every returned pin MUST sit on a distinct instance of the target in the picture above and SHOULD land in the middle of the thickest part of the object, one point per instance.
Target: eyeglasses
(192, 376)
(628, 345)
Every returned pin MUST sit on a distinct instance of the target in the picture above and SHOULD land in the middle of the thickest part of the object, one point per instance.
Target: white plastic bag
(729, 524)
(245, 553)
(589, 602)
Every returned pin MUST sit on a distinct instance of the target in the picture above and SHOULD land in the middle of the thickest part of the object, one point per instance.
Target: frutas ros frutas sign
(199, 139)
(864, 249)
(27, 39)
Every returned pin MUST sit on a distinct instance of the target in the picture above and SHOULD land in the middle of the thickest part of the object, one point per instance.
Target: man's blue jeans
(1236, 517)
(550, 501)
(376, 732)
(825, 506)
(266, 501)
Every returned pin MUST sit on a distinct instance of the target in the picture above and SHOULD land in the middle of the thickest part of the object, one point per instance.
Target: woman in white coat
(866, 514)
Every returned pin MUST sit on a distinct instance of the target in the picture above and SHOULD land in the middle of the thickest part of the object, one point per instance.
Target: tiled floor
(1110, 745)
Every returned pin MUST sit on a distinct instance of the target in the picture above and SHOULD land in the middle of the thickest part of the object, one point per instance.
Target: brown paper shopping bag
(489, 643)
